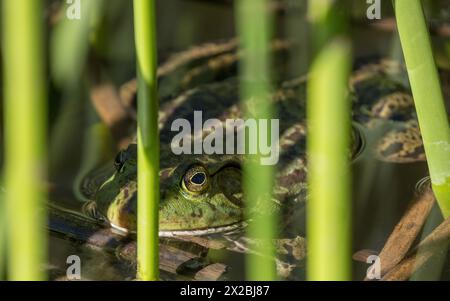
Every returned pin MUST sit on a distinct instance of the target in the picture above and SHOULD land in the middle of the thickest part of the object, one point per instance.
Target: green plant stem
(148, 141)
(2, 233)
(25, 114)
(428, 98)
(254, 26)
(329, 115)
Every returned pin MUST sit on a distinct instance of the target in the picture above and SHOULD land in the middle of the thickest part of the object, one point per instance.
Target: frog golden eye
(195, 180)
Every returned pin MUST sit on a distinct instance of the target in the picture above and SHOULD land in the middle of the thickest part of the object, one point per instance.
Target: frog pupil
(199, 178)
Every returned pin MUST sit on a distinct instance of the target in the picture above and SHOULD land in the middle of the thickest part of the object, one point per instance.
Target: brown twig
(406, 231)
(432, 245)
(210, 270)
(362, 255)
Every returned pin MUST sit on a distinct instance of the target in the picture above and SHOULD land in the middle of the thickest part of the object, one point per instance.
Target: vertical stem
(148, 141)
(2, 234)
(427, 94)
(328, 112)
(254, 26)
(25, 137)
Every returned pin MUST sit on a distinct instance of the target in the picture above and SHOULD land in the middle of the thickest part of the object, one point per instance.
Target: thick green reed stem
(428, 98)
(2, 234)
(254, 25)
(25, 116)
(328, 113)
(148, 141)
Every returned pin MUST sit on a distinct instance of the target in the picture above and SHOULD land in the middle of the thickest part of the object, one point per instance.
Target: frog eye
(195, 180)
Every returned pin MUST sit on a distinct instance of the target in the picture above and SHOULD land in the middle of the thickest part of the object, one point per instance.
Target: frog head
(197, 196)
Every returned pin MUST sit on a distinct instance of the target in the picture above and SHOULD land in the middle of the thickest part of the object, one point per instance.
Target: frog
(202, 194)
(198, 197)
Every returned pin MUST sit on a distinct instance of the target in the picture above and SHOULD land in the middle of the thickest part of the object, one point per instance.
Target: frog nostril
(120, 160)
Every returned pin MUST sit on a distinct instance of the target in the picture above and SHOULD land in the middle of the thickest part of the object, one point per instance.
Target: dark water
(381, 191)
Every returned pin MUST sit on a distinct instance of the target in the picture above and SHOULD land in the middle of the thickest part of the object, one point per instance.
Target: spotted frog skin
(201, 194)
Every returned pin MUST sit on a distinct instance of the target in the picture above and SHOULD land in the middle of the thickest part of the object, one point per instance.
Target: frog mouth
(198, 232)
(194, 232)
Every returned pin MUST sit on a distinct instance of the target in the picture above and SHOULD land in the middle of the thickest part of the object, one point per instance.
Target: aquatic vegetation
(328, 113)
(148, 141)
(254, 29)
(25, 115)
(428, 97)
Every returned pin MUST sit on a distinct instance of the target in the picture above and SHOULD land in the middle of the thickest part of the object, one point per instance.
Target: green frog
(201, 194)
